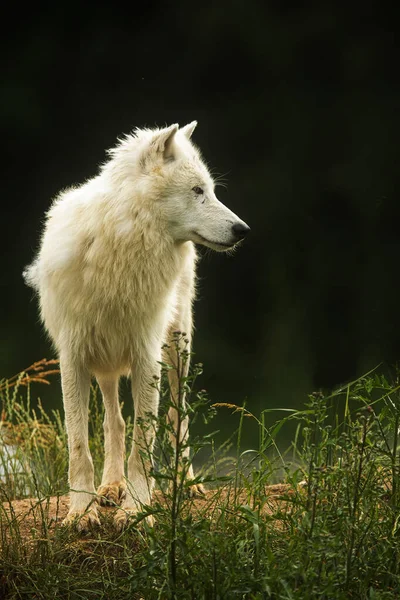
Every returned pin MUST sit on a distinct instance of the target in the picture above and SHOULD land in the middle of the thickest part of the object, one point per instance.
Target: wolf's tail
(31, 275)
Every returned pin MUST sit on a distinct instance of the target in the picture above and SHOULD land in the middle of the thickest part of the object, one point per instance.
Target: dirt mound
(32, 515)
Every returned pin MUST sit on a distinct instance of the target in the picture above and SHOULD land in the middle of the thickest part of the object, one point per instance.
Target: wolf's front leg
(113, 486)
(146, 399)
(76, 391)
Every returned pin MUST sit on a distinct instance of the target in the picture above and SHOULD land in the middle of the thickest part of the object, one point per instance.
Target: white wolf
(116, 275)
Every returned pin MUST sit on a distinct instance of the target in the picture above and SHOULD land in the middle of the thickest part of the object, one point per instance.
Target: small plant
(32, 443)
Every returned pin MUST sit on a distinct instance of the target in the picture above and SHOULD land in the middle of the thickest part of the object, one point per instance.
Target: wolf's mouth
(206, 241)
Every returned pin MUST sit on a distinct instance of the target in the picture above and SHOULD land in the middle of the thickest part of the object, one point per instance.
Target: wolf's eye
(198, 190)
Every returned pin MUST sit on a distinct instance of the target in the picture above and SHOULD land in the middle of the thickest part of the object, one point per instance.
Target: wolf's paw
(111, 494)
(196, 490)
(123, 516)
(83, 520)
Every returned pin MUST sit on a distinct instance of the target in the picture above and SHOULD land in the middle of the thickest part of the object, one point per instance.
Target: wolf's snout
(240, 230)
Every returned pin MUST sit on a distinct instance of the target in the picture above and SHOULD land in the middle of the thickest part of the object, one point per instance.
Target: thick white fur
(116, 274)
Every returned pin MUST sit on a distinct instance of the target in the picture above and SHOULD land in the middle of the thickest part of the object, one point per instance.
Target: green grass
(333, 531)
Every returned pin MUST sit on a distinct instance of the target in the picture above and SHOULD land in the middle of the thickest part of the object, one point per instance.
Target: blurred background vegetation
(298, 106)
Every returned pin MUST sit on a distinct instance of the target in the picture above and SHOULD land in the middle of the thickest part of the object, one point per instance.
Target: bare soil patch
(32, 516)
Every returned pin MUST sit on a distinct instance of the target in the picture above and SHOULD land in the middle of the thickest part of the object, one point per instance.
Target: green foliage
(331, 530)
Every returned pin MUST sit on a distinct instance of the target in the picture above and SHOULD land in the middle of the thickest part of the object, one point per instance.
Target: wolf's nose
(240, 230)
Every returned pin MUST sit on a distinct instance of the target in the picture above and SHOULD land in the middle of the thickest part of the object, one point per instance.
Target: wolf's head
(174, 175)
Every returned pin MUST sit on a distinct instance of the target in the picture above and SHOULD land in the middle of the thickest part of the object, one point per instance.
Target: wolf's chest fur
(122, 292)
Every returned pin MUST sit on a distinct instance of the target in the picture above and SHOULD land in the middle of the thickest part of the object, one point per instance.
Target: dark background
(298, 106)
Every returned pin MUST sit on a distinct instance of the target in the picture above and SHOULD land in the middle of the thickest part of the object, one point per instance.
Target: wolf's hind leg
(175, 355)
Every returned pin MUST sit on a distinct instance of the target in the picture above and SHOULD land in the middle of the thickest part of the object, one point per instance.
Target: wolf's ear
(189, 128)
(162, 143)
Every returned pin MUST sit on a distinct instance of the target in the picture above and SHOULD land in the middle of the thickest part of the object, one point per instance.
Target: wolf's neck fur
(131, 236)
